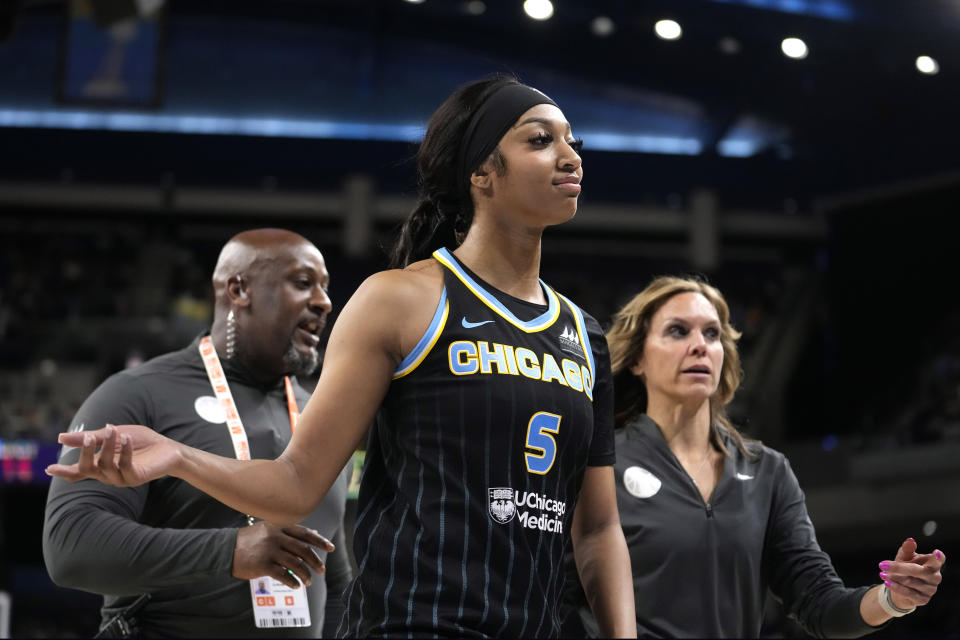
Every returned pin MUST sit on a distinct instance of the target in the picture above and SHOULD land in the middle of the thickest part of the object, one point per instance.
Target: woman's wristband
(886, 603)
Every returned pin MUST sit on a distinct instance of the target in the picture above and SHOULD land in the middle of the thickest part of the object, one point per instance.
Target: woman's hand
(912, 577)
(122, 456)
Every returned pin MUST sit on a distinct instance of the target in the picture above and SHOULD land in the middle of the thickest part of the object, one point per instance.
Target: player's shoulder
(413, 287)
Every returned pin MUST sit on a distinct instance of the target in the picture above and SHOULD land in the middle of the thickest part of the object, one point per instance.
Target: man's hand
(265, 549)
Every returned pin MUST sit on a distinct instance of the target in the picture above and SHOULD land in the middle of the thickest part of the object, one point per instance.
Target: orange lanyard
(221, 388)
(291, 404)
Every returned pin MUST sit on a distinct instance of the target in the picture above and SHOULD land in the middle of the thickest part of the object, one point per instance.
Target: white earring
(231, 335)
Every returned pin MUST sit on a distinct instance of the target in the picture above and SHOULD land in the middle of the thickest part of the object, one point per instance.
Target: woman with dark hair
(712, 519)
(493, 441)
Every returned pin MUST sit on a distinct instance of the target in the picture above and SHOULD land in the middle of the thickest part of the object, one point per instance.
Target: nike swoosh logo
(743, 476)
(470, 325)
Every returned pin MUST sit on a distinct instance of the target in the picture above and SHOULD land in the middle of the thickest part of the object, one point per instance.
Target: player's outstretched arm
(365, 347)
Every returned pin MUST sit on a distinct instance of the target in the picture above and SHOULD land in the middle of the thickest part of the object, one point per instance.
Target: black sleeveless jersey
(474, 466)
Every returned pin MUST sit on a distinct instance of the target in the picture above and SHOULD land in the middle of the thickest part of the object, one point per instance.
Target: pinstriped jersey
(474, 466)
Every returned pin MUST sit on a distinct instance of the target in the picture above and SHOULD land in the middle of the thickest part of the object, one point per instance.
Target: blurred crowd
(76, 308)
(925, 406)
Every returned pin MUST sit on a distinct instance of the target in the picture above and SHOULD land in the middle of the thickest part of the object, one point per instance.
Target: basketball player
(493, 445)
(698, 499)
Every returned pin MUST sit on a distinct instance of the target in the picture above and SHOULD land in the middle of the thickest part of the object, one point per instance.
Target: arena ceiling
(738, 113)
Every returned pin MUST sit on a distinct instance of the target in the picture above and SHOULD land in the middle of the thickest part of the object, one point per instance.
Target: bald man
(194, 556)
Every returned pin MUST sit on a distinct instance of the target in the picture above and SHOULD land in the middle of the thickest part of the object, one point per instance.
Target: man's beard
(298, 363)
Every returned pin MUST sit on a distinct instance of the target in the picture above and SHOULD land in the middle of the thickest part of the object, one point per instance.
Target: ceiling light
(415, 1)
(668, 29)
(927, 65)
(475, 7)
(602, 26)
(794, 48)
(538, 9)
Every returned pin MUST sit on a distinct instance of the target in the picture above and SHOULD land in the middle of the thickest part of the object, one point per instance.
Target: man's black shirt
(167, 538)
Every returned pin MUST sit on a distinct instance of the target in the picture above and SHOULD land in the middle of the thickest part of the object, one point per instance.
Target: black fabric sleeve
(338, 576)
(602, 449)
(802, 575)
(92, 539)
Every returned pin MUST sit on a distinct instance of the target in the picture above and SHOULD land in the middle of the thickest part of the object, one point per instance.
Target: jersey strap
(430, 336)
(584, 338)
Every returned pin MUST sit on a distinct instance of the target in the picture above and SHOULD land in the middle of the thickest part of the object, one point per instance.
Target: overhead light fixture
(668, 29)
(602, 26)
(475, 7)
(538, 9)
(927, 65)
(415, 1)
(794, 48)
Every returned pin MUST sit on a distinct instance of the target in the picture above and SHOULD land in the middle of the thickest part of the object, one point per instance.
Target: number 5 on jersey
(540, 431)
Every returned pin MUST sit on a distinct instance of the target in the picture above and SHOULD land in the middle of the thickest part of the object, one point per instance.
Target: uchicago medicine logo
(502, 507)
(532, 510)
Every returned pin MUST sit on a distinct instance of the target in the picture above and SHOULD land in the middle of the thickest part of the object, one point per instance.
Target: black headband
(492, 119)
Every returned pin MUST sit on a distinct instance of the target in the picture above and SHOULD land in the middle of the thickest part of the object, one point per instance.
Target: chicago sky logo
(570, 342)
(502, 508)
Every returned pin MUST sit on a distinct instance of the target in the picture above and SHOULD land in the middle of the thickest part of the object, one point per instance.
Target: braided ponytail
(444, 209)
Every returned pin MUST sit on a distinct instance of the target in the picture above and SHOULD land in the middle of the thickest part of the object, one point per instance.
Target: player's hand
(264, 549)
(123, 456)
(912, 577)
